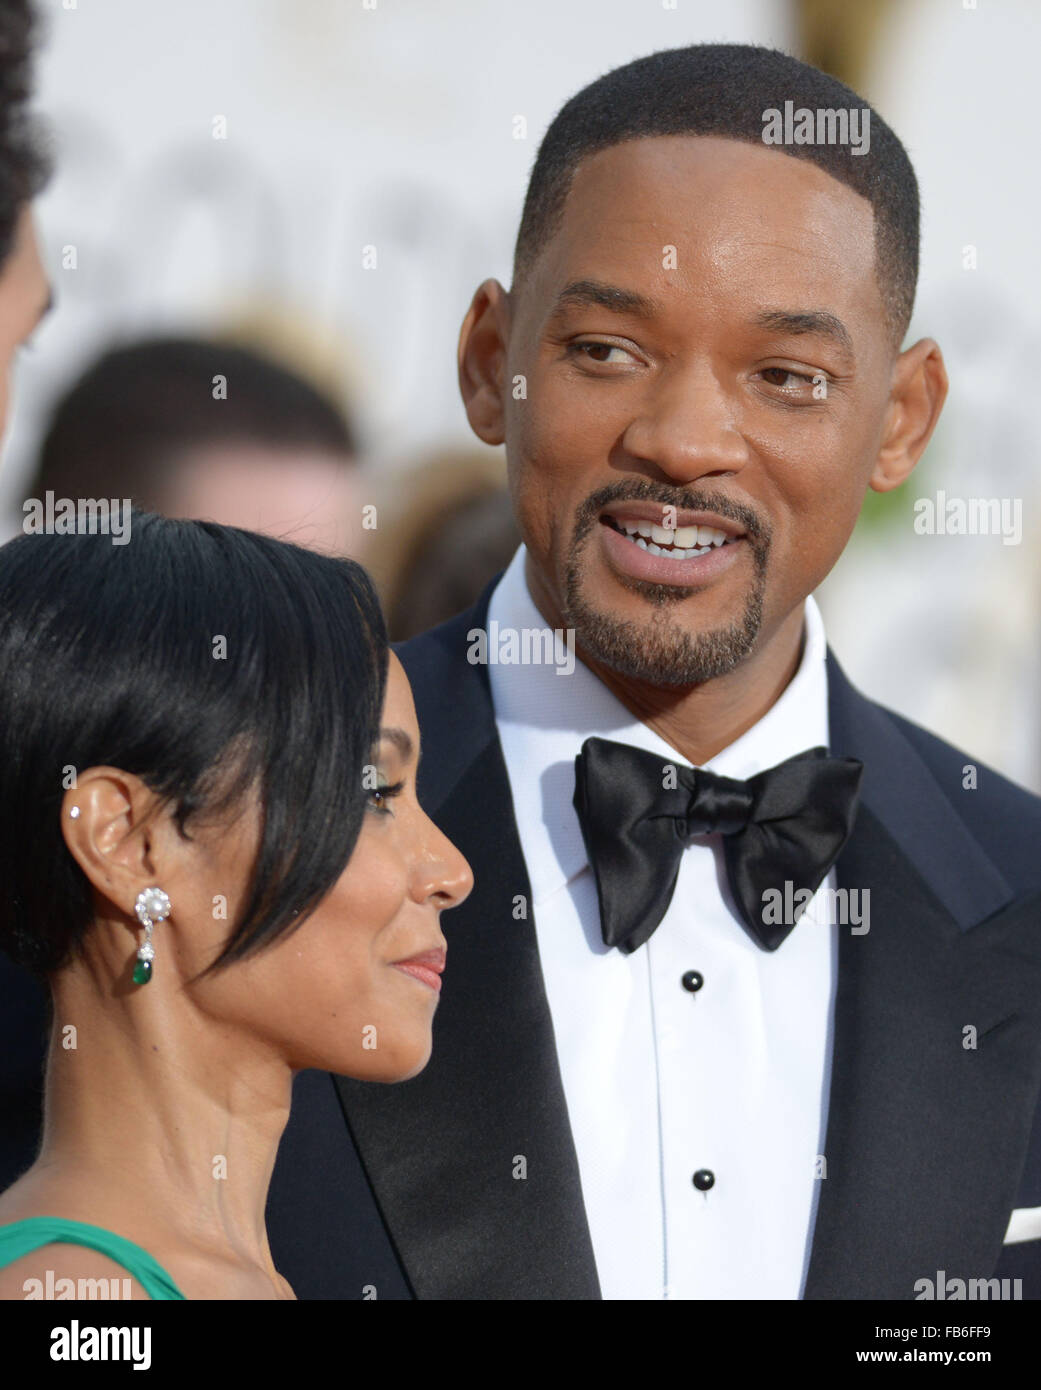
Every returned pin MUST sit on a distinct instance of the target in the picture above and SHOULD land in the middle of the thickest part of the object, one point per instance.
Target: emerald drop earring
(152, 906)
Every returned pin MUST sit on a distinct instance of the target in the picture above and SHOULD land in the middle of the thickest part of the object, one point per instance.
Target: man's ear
(916, 397)
(106, 823)
(482, 361)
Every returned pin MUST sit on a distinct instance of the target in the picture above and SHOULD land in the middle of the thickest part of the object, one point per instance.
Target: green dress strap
(22, 1237)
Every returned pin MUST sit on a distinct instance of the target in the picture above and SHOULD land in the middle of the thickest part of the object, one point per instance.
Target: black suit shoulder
(1004, 817)
(433, 654)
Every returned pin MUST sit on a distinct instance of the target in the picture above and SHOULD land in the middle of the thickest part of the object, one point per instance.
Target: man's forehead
(682, 164)
(729, 209)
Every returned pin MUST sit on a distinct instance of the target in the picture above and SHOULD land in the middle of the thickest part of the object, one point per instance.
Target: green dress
(22, 1237)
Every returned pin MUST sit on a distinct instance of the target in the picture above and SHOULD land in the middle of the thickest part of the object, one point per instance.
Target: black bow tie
(637, 812)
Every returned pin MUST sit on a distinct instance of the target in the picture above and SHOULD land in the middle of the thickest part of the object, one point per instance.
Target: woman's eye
(381, 796)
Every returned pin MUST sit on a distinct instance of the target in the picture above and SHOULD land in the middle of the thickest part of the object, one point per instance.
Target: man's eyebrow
(582, 293)
(400, 739)
(815, 321)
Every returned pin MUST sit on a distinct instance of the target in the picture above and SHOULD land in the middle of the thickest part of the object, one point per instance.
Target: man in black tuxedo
(697, 373)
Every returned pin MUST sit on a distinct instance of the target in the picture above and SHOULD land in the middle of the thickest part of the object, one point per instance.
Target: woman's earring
(152, 906)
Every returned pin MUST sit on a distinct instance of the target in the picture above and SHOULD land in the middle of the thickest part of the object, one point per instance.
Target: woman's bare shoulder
(65, 1271)
(60, 1269)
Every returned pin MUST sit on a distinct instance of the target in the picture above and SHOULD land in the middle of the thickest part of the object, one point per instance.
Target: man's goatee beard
(659, 651)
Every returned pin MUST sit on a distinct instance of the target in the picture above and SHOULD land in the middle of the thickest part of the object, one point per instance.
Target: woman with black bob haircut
(211, 847)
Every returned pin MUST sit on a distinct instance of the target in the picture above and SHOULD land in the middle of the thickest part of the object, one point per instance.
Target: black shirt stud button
(692, 980)
(703, 1179)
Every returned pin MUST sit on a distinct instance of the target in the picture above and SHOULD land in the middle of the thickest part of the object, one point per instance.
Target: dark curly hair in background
(25, 159)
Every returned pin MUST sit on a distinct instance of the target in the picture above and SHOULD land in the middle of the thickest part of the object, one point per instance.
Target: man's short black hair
(724, 90)
(25, 160)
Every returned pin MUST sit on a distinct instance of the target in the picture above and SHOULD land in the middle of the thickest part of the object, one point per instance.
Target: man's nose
(687, 427)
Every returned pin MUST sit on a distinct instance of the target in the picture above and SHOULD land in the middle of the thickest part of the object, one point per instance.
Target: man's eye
(791, 381)
(590, 350)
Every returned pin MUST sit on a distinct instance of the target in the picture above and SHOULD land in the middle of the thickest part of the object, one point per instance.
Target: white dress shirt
(662, 1082)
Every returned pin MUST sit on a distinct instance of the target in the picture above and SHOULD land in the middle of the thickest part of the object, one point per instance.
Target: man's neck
(700, 721)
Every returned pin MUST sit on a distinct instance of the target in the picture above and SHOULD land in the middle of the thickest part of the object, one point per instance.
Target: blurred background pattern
(228, 172)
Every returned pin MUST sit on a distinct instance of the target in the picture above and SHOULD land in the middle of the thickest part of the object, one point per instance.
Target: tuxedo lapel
(472, 1162)
(926, 1133)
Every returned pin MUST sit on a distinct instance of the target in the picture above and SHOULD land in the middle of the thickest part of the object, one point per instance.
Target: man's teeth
(683, 542)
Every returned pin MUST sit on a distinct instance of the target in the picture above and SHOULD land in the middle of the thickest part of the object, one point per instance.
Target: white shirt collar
(545, 715)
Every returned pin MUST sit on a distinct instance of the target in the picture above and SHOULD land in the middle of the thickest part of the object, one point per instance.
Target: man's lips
(425, 967)
(653, 513)
(627, 555)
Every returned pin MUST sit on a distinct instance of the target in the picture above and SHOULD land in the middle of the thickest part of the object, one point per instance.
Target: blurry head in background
(205, 430)
(25, 167)
(427, 573)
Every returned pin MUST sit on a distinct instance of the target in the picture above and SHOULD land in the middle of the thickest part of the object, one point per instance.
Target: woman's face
(338, 993)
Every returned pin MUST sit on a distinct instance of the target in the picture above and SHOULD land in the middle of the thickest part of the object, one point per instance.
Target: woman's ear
(107, 824)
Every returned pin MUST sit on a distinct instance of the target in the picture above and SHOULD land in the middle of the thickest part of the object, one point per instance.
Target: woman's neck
(161, 1118)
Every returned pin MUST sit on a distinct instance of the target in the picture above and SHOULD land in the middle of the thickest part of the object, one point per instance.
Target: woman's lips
(426, 967)
(628, 558)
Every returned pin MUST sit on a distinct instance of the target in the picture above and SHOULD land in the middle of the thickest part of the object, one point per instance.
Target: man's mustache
(756, 527)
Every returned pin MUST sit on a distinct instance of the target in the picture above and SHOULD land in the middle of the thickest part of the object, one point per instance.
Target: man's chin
(655, 646)
(659, 651)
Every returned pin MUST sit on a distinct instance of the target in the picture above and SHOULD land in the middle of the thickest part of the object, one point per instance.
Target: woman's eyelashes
(383, 793)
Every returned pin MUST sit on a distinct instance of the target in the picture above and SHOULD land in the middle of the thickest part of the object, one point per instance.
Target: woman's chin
(390, 1064)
